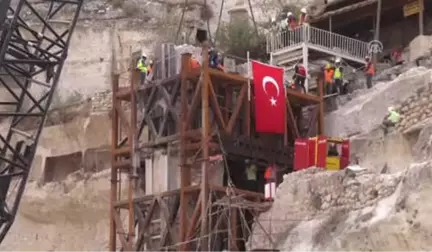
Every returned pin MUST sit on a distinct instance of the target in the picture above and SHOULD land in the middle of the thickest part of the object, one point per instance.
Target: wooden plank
(237, 109)
(302, 96)
(232, 78)
(216, 106)
(120, 233)
(144, 222)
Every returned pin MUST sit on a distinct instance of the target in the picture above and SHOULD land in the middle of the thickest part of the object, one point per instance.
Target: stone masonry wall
(416, 109)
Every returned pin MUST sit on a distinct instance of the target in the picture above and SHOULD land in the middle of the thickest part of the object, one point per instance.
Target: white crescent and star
(271, 80)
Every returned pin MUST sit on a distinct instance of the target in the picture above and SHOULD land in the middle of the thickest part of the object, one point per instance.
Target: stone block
(419, 47)
(96, 159)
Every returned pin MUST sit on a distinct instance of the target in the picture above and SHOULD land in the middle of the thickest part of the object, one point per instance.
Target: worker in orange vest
(270, 183)
(195, 64)
(328, 79)
(369, 71)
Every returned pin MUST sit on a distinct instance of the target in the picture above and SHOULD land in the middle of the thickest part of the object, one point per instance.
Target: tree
(239, 38)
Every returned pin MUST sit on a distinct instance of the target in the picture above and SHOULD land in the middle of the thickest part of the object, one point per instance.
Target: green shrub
(239, 38)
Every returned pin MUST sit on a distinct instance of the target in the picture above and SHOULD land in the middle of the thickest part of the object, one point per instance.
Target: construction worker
(194, 63)
(369, 70)
(299, 77)
(333, 152)
(150, 65)
(251, 175)
(328, 78)
(270, 183)
(391, 119)
(215, 60)
(338, 75)
(396, 56)
(303, 18)
(292, 22)
(143, 68)
(284, 30)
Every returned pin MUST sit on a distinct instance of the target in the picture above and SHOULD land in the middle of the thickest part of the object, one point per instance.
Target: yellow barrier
(332, 163)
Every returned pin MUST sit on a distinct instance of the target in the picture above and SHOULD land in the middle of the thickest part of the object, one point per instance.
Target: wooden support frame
(201, 106)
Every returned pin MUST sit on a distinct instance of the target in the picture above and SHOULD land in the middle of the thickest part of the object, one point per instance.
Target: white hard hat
(144, 55)
(390, 109)
(273, 19)
(289, 14)
(338, 60)
(303, 10)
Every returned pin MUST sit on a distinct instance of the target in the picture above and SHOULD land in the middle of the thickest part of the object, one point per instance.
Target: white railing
(321, 39)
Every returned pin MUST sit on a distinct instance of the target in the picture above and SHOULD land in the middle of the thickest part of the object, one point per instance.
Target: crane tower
(34, 41)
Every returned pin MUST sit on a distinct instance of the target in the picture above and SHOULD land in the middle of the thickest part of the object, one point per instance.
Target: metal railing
(321, 39)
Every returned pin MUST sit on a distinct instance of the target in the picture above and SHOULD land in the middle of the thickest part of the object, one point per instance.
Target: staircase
(286, 47)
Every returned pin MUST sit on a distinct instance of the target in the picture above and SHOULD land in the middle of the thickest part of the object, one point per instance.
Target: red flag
(270, 100)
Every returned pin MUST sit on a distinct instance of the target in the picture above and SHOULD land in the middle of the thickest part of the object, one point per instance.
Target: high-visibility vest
(142, 67)
(251, 172)
(370, 69)
(301, 71)
(270, 173)
(394, 117)
(195, 63)
(338, 73)
(328, 75)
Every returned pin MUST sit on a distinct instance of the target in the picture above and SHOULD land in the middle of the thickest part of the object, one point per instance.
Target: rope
(253, 17)
(208, 23)
(219, 21)
(181, 20)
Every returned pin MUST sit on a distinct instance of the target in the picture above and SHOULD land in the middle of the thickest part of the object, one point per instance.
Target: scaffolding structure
(202, 216)
(34, 41)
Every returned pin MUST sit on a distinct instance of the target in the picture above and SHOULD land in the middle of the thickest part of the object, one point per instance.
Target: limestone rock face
(319, 210)
(419, 47)
(366, 112)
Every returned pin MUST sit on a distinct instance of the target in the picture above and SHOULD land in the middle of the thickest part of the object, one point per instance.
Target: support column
(114, 178)
(421, 17)
(205, 116)
(305, 53)
(185, 174)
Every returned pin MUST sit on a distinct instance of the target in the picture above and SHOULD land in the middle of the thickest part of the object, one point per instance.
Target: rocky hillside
(382, 206)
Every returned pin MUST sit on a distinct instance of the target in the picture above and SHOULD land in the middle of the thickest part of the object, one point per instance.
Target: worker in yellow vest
(143, 68)
(251, 175)
(391, 119)
(338, 76)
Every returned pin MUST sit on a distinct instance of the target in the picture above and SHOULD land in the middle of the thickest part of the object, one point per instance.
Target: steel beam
(29, 54)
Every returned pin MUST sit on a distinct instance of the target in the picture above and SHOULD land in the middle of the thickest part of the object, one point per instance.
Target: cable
(208, 23)
(219, 21)
(181, 20)
(253, 17)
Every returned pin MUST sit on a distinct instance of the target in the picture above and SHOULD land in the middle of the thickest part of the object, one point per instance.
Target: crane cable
(253, 17)
(208, 24)
(219, 21)
(181, 20)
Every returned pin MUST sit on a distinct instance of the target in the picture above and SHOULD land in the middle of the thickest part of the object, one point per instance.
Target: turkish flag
(270, 100)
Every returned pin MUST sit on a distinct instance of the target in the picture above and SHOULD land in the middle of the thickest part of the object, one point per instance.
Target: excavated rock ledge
(321, 210)
(365, 113)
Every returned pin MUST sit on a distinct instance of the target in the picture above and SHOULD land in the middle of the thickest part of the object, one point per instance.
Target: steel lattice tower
(34, 41)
